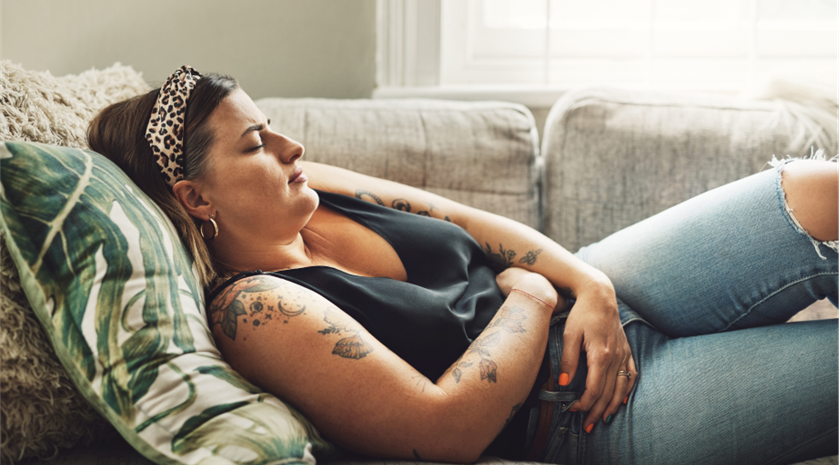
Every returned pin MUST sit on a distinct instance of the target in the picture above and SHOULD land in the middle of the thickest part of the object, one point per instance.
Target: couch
(606, 159)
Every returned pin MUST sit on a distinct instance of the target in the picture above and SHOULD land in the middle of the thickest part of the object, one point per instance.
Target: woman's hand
(594, 326)
(508, 278)
(531, 283)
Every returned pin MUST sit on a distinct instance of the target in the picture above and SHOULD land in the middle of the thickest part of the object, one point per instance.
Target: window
(708, 45)
(699, 44)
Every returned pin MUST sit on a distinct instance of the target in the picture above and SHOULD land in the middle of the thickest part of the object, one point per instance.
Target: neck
(249, 255)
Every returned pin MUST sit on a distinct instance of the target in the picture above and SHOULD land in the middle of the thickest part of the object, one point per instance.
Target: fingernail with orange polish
(589, 428)
(563, 379)
(625, 399)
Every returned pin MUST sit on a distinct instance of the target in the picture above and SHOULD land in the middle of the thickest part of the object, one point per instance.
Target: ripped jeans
(703, 291)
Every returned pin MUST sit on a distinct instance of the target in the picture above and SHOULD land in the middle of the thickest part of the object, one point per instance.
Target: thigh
(757, 396)
(730, 258)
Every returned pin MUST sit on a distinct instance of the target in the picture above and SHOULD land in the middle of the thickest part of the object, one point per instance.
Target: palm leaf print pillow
(116, 292)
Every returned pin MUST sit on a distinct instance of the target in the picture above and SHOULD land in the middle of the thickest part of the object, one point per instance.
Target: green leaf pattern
(122, 304)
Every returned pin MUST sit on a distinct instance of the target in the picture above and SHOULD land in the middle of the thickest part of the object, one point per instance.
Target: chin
(310, 193)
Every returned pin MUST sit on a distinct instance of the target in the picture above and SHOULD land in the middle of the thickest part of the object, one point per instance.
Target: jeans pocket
(564, 438)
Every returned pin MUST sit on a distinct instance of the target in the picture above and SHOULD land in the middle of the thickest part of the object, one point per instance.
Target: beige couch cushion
(615, 157)
(482, 154)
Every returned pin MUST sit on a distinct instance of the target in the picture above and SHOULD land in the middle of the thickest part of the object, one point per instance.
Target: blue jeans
(702, 291)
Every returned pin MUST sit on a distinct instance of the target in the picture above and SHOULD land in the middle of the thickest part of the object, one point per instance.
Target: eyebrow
(255, 127)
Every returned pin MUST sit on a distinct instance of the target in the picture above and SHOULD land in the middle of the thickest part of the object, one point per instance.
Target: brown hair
(118, 133)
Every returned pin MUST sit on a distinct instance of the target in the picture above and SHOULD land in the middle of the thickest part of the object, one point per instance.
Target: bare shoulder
(257, 300)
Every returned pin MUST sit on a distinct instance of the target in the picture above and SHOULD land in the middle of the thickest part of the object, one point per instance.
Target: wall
(275, 48)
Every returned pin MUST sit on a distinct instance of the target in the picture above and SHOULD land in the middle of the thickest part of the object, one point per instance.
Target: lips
(298, 176)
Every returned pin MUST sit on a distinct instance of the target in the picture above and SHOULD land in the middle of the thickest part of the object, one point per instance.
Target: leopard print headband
(165, 131)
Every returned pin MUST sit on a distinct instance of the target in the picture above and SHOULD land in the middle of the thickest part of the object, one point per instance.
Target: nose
(290, 149)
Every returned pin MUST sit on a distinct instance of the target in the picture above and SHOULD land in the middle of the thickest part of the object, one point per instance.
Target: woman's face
(254, 183)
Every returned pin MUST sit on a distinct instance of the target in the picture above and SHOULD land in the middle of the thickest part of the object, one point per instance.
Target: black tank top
(431, 319)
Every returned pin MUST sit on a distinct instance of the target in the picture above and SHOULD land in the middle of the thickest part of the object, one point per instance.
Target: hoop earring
(215, 229)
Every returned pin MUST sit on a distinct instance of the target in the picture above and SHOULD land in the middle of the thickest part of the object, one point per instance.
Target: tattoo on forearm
(513, 412)
(251, 298)
(353, 346)
(359, 194)
(481, 346)
(503, 259)
(457, 373)
(416, 455)
(499, 261)
(530, 257)
(510, 318)
(401, 204)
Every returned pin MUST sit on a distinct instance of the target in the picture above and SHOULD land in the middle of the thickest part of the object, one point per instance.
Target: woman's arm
(593, 325)
(297, 345)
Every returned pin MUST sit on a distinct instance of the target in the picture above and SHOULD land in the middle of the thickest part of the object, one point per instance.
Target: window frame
(412, 64)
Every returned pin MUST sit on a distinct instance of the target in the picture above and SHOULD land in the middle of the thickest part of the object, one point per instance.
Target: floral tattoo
(509, 319)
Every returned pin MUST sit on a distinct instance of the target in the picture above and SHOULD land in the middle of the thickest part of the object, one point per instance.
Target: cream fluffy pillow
(41, 410)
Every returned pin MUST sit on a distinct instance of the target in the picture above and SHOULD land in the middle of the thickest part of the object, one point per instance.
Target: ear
(188, 194)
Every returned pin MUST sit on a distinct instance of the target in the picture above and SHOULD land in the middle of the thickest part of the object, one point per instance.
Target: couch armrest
(615, 157)
(482, 154)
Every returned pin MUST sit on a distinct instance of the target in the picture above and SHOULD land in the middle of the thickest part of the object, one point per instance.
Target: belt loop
(536, 452)
(546, 413)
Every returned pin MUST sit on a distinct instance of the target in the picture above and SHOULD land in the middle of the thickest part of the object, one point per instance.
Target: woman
(398, 335)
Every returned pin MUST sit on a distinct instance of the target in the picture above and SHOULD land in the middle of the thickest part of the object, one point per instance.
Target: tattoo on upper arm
(513, 412)
(402, 205)
(360, 193)
(353, 346)
(427, 212)
(398, 204)
(251, 298)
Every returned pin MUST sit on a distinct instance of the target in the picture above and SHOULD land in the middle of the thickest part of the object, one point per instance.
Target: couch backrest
(614, 157)
(482, 154)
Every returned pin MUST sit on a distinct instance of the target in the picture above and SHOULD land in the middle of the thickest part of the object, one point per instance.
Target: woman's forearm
(509, 243)
(594, 324)
(487, 385)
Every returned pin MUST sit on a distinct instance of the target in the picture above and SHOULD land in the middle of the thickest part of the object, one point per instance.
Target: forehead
(234, 114)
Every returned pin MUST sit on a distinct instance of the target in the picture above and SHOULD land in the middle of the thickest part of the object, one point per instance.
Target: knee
(812, 192)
